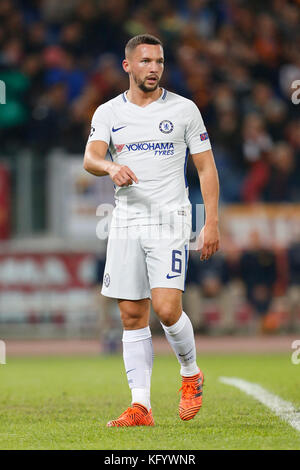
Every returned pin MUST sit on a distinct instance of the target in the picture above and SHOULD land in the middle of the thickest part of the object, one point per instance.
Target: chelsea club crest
(106, 280)
(166, 126)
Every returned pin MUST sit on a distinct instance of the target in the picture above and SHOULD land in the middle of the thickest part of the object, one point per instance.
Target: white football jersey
(154, 142)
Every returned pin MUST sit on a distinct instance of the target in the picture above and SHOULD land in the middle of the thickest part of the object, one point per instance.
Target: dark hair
(141, 39)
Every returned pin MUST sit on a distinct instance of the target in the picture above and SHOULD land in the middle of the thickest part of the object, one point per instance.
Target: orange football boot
(135, 415)
(191, 397)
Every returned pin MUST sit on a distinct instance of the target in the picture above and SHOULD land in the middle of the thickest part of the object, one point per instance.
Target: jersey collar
(161, 98)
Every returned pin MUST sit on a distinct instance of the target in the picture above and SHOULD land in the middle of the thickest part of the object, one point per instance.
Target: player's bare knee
(132, 320)
(167, 313)
(134, 315)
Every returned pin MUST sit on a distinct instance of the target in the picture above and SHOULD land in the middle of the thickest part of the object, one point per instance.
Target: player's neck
(137, 96)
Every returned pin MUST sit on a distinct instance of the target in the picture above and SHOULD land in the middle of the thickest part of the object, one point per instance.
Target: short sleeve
(100, 127)
(196, 136)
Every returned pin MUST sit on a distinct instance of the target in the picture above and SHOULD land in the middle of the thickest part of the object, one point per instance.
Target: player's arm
(94, 162)
(209, 183)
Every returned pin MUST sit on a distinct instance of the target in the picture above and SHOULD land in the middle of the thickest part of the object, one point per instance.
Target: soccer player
(148, 133)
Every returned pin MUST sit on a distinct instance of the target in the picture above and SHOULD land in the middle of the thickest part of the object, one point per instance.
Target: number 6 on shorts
(176, 261)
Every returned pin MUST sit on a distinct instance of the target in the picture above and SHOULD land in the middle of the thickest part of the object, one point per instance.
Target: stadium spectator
(258, 271)
(282, 184)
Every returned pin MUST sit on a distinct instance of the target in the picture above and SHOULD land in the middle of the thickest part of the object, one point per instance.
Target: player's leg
(167, 259)
(137, 348)
(138, 361)
(167, 303)
(125, 278)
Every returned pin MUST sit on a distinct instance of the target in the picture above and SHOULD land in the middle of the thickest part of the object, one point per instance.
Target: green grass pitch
(64, 403)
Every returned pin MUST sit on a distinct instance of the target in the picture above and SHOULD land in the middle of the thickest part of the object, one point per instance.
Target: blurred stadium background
(238, 61)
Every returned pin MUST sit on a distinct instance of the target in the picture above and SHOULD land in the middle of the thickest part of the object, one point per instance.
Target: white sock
(181, 338)
(138, 361)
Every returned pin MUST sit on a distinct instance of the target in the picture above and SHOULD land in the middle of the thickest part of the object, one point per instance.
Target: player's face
(145, 65)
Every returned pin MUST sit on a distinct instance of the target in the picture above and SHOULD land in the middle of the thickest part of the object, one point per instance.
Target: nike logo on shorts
(171, 277)
(117, 129)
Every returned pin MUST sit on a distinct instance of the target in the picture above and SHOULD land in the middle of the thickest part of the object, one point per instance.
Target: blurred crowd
(256, 288)
(236, 59)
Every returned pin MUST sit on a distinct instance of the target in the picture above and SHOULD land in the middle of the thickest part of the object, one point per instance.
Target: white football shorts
(142, 257)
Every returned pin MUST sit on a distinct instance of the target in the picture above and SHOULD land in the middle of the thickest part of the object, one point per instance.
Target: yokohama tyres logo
(160, 148)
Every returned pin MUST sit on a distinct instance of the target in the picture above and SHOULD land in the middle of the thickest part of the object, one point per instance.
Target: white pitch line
(284, 409)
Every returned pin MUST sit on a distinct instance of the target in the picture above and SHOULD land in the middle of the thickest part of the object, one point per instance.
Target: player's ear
(125, 65)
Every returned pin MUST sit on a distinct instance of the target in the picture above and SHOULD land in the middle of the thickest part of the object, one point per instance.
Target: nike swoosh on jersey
(117, 129)
(127, 372)
(171, 277)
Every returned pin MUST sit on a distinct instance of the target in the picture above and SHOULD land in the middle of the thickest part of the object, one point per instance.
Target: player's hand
(208, 241)
(122, 175)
